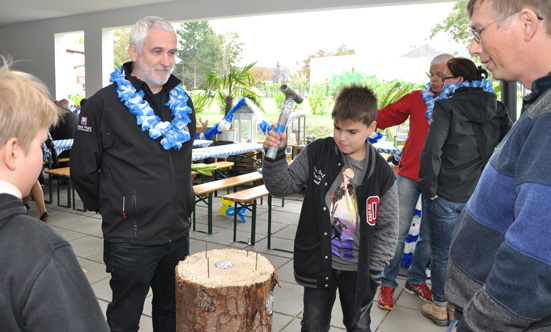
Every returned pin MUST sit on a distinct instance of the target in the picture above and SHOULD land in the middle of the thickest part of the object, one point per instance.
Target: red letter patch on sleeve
(372, 205)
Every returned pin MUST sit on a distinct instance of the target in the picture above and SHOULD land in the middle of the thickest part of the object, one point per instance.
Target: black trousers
(318, 304)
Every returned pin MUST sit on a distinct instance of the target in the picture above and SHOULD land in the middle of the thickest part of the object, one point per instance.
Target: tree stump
(225, 290)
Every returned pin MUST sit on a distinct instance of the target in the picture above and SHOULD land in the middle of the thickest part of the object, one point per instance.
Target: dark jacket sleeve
(86, 154)
(282, 179)
(432, 150)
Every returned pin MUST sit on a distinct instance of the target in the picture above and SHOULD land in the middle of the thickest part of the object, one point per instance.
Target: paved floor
(83, 231)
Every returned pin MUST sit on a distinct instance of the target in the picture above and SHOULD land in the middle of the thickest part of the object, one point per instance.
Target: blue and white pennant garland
(265, 127)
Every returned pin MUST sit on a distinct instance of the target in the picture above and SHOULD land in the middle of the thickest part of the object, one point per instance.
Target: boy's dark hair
(355, 103)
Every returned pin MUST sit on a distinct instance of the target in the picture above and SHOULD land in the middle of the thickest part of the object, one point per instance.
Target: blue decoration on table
(376, 137)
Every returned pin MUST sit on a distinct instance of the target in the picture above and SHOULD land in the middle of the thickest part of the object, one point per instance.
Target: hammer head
(289, 93)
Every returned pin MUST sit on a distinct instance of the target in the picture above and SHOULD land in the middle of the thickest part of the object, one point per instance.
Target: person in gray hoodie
(466, 125)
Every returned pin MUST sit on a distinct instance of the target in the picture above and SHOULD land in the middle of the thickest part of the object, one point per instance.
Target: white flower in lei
(428, 98)
(174, 133)
(449, 89)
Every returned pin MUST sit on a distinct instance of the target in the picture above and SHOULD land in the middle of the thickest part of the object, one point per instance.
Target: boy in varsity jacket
(348, 226)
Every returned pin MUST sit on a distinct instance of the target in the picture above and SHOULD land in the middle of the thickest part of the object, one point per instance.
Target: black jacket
(450, 161)
(312, 247)
(143, 192)
(43, 287)
(66, 126)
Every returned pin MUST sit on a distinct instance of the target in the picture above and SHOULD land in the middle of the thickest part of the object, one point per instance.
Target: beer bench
(247, 199)
(205, 191)
(63, 172)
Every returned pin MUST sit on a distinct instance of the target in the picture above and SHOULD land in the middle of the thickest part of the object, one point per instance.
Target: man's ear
(10, 152)
(133, 52)
(461, 79)
(530, 23)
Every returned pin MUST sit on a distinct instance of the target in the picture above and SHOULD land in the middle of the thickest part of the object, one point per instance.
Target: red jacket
(413, 106)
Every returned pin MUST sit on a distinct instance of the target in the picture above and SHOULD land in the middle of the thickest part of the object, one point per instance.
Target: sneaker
(436, 313)
(421, 290)
(385, 300)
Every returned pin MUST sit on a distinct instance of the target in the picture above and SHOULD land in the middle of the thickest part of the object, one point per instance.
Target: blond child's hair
(25, 105)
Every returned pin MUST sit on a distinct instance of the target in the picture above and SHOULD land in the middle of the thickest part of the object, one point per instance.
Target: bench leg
(58, 192)
(237, 207)
(194, 216)
(253, 223)
(69, 185)
(50, 192)
(210, 214)
(209, 211)
(235, 222)
(269, 221)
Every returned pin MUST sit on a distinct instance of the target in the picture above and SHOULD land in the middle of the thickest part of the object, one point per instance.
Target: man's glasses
(478, 31)
(445, 78)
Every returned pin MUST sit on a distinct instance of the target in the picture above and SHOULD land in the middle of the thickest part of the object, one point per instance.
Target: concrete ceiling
(16, 11)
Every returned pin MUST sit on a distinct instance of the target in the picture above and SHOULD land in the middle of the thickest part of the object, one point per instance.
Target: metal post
(509, 98)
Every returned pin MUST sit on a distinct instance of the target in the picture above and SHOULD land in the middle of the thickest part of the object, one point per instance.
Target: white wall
(34, 41)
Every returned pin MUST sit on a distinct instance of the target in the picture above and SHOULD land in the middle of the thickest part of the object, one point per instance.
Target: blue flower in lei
(174, 133)
(429, 99)
(449, 89)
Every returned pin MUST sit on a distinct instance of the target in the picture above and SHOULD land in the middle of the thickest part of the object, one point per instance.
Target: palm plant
(237, 83)
(390, 92)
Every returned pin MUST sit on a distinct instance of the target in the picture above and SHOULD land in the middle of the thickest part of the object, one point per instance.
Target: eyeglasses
(477, 31)
(445, 78)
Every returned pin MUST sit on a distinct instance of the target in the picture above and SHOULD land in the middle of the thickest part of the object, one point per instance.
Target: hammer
(290, 96)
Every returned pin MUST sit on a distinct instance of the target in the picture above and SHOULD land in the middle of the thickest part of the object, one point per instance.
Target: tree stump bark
(225, 290)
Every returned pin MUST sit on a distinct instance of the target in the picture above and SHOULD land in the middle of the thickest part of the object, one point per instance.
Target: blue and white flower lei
(449, 89)
(429, 99)
(174, 133)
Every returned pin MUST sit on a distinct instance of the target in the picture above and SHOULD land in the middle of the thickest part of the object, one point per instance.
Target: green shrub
(317, 99)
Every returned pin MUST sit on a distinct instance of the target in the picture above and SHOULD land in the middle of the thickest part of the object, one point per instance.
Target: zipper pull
(123, 207)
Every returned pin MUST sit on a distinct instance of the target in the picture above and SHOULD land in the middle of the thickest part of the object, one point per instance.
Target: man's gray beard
(143, 75)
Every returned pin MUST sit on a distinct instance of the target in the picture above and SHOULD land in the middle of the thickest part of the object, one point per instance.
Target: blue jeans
(442, 216)
(408, 195)
(136, 268)
(318, 304)
(456, 318)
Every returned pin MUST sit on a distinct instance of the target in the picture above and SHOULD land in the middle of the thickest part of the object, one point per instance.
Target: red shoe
(385, 300)
(421, 290)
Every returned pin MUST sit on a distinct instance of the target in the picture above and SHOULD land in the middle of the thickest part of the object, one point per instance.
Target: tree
(237, 83)
(120, 47)
(230, 51)
(456, 25)
(279, 75)
(261, 75)
(344, 50)
(196, 50)
(200, 47)
(341, 50)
